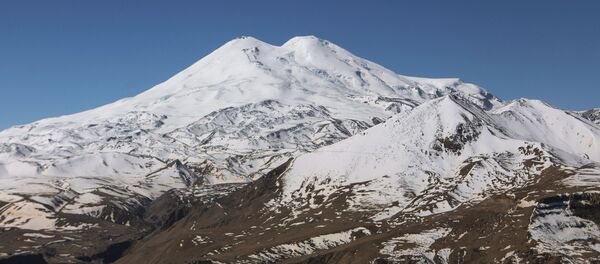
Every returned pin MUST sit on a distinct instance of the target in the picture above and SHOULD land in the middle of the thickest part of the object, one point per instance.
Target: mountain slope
(398, 192)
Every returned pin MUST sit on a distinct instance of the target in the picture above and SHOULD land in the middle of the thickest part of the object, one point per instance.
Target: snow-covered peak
(441, 153)
(311, 46)
(536, 120)
(304, 70)
(245, 42)
(460, 126)
(405, 139)
(305, 40)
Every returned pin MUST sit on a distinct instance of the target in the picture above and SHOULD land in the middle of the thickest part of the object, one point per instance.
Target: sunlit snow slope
(442, 153)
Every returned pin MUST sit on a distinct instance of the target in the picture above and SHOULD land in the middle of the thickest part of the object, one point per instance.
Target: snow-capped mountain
(302, 153)
(303, 72)
(230, 117)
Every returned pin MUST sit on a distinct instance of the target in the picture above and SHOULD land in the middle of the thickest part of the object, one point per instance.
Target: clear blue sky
(60, 57)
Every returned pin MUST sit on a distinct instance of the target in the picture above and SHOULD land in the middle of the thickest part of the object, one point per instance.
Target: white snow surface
(309, 246)
(415, 244)
(404, 160)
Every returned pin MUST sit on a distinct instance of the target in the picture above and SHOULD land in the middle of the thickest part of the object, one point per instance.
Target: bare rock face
(592, 115)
